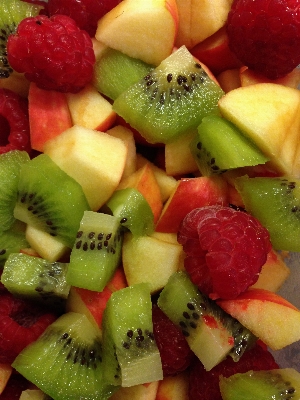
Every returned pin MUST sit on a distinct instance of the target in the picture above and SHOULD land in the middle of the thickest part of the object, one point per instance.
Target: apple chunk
(141, 29)
(86, 156)
(269, 316)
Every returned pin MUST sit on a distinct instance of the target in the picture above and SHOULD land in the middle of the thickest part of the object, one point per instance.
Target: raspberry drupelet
(225, 250)
(52, 52)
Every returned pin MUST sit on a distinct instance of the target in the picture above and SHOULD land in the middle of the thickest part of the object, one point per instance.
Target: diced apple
(215, 53)
(191, 193)
(86, 156)
(249, 77)
(268, 114)
(126, 135)
(141, 29)
(229, 79)
(90, 109)
(178, 156)
(32, 394)
(17, 83)
(174, 387)
(148, 259)
(5, 373)
(165, 182)
(199, 19)
(146, 391)
(145, 182)
(269, 316)
(49, 115)
(273, 274)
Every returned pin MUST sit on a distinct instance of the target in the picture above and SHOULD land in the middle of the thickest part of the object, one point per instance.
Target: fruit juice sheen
(289, 356)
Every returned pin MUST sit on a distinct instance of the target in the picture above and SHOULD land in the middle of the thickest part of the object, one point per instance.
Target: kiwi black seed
(11, 14)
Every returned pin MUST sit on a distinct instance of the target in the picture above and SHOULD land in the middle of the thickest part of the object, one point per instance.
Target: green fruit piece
(211, 333)
(114, 72)
(219, 146)
(96, 252)
(11, 242)
(275, 202)
(10, 164)
(130, 353)
(49, 199)
(132, 210)
(277, 384)
(65, 362)
(36, 279)
(11, 14)
(171, 100)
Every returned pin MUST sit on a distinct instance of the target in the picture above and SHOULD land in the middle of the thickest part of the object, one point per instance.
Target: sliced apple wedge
(269, 114)
(141, 29)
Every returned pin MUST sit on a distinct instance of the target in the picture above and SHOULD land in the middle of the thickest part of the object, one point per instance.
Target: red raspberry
(226, 249)
(85, 13)
(14, 122)
(204, 384)
(265, 35)
(175, 352)
(20, 324)
(52, 52)
(15, 386)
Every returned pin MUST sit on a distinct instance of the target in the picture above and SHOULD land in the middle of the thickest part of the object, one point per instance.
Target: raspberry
(175, 352)
(15, 386)
(265, 35)
(14, 122)
(20, 324)
(85, 13)
(52, 52)
(226, 249)
(204, 384)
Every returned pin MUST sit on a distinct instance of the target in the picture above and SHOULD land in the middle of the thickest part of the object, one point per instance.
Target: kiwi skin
(11, 14)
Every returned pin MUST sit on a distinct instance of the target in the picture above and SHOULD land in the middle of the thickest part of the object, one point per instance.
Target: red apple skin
(49, 115)
(214, 52)
(191, 193)
(249, 77)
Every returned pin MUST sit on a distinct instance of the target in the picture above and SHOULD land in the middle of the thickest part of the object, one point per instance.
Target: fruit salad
(149, 200)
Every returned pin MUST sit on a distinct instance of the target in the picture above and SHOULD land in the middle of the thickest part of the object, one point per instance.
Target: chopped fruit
(205, 384)
(225, 249)
(20, 324)
(85, 13)
(265, 35)
(16, 384)
(5, 373)
(52, 52)
(174, 350)
(14, 131)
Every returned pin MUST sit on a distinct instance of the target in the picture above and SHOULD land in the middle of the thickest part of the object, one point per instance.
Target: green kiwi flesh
(11, 241)
(211, 333)
(219, 146)
(11, 14)
(130, 353)
(275, 202)
(132, 210)
(49, 199)
(277, 384)
(36, 279)
(10, 165)
(114, 72)
(65, 362)
(96, 252)
(171, 100)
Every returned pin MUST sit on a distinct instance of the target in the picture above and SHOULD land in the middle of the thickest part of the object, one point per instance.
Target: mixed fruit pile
(149, 164)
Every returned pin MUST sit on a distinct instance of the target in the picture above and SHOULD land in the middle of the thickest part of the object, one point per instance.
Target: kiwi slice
(96, 252)
(275, 202)
(36, 279)
(130, 353)
(277, 384)
(11, 241)
(132, 210)
(65, 362)
(10, 165)
(211, 333)
(170, 100)
(114, 72)
(49, 199)
(11, 14)
(219, 146)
